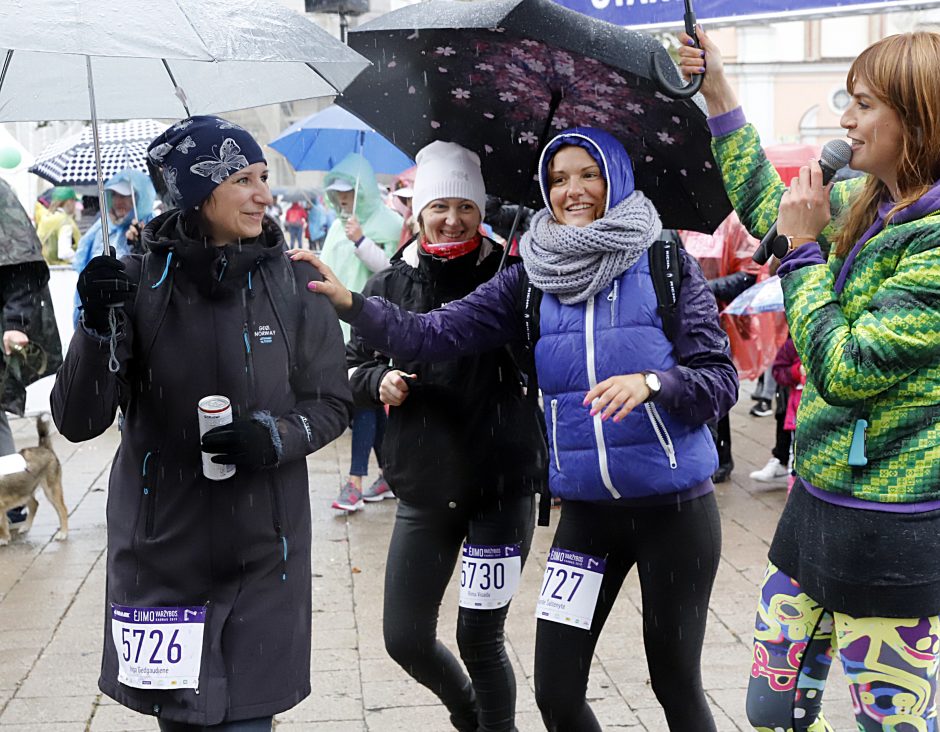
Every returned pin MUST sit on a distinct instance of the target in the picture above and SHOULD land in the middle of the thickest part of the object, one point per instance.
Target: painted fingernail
(593, 412)
(702, 54)
(701, 69)
(312, 286)
(689, 42)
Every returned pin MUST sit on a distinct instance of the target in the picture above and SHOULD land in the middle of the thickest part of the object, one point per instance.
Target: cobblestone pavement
(51, 596)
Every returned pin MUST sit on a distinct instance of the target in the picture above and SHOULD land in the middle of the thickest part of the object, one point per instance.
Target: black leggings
(423, 552)
(676, 549)
(259, 724)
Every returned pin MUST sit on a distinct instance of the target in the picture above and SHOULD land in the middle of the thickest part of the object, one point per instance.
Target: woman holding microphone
(853, 562)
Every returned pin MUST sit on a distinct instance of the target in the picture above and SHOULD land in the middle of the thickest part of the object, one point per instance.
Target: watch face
(781, 246)
(652, 381)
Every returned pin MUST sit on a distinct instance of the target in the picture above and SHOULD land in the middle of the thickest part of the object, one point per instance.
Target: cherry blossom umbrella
(499, 76)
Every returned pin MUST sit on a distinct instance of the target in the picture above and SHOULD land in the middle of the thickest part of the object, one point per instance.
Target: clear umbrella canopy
(125, 59)
(150, 59)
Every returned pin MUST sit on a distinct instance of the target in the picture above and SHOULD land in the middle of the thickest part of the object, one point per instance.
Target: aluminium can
(214, 411)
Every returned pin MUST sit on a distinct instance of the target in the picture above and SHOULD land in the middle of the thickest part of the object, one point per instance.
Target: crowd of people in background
(487, 369)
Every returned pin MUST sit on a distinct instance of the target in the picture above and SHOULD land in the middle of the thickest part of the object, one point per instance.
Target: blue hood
(615, 164)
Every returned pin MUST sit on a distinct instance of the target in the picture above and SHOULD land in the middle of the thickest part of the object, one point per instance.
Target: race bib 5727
(570, 588)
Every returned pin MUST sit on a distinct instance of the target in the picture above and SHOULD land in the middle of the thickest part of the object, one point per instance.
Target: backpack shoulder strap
(152, 297)
(287, 303)
(666, 270)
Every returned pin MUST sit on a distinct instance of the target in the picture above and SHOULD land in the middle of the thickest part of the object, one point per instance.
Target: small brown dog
(19, 489)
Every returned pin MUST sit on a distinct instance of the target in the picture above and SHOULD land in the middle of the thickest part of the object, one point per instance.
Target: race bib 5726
(158, 647)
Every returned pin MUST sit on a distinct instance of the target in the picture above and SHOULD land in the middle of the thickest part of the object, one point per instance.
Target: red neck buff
(451, 249)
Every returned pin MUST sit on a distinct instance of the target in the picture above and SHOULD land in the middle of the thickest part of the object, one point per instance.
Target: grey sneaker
(349, 498)
(378, 491)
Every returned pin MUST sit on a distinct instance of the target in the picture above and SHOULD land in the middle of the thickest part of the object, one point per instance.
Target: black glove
(101, 285)
(244, 442)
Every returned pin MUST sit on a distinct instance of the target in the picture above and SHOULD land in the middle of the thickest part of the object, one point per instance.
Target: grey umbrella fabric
(71, 160)
(499, 76)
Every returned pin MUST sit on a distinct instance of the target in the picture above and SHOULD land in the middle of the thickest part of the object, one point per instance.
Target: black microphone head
(835, 155)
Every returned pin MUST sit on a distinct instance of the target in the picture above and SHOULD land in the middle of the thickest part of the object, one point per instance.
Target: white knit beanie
(447, 170)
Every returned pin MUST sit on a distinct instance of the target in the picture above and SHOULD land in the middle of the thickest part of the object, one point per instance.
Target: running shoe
(773, 472)
(16, 515)
(723, 473)
(762, 409)
(378, 491)
(349, 498)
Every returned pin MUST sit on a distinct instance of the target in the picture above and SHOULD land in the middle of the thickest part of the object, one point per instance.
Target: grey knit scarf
(575, 262)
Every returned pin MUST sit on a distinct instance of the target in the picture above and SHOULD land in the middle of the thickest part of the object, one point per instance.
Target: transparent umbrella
(166, 59)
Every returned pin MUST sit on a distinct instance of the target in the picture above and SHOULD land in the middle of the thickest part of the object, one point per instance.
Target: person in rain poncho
(212, 576)
(626, 406)
(399, 198)
(852, 569)
(462, 452)
(58, 233)
(28, 319)
(129, 196)
(360, 241)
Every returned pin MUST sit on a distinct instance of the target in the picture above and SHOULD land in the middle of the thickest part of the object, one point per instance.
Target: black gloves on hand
(245, 442)
(101, 285)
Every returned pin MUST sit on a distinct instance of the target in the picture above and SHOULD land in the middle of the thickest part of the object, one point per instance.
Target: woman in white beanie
(452, 455)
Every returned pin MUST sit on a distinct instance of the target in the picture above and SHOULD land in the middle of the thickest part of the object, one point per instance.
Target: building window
(839, 100)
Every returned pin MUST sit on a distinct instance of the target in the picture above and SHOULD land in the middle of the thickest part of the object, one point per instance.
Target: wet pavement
(51, 597)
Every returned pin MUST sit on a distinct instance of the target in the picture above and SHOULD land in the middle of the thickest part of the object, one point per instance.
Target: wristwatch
(653, 384)
(783, 244)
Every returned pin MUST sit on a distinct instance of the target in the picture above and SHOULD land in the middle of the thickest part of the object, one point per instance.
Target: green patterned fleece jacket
(871, 352)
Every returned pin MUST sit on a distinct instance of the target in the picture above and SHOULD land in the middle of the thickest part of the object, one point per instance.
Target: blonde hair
(901, 71)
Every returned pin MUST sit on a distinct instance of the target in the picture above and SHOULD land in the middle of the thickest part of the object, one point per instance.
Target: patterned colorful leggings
(891, 664)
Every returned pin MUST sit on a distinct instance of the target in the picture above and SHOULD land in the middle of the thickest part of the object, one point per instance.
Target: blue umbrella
(321, 140)
(764, 297)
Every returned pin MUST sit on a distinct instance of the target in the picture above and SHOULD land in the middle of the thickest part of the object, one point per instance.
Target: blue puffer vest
(618, 331)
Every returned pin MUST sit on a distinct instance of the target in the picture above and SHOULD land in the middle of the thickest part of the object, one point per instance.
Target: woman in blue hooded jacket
(625, 406)
(130, 197)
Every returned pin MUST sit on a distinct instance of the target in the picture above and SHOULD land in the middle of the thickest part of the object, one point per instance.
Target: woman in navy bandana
(208, 612)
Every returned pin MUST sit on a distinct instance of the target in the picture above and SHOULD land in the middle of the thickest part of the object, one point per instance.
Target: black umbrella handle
(658, 70)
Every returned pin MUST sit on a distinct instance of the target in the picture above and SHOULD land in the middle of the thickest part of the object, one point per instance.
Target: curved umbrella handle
(658, 72)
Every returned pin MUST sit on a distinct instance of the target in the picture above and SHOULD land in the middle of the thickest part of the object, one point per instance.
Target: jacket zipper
(662, 434)
(246, 336)
(612, 299)
(592, 380)
(555, 433)
(280, 538)
(150, 491)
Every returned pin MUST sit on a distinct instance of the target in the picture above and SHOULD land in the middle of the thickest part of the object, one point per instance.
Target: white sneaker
(772, 472)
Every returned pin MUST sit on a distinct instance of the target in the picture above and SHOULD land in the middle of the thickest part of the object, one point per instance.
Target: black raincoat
(26, 304)
(235, 321)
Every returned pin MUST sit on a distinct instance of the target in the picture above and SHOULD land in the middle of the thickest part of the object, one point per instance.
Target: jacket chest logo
(265, 334)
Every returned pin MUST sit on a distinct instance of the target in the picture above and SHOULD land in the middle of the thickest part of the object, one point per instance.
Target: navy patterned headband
(198, 153)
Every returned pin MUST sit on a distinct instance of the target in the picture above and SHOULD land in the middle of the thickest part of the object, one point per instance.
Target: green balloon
(10, 157)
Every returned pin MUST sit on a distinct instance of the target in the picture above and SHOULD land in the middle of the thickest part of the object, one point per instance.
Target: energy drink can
(214, 411)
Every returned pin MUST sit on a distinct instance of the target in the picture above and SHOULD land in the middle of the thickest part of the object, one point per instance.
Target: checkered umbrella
(71, 160)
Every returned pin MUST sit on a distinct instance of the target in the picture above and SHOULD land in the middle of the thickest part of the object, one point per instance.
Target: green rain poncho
(378, 222)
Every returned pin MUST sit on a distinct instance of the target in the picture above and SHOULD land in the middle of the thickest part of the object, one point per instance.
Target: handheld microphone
(835, 155)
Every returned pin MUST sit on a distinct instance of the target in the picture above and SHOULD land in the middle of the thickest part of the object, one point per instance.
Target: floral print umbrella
(498, 76)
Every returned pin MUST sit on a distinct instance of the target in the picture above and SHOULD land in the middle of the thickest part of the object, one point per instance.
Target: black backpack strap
(666, 271)
(286, 300)
(531, 307)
